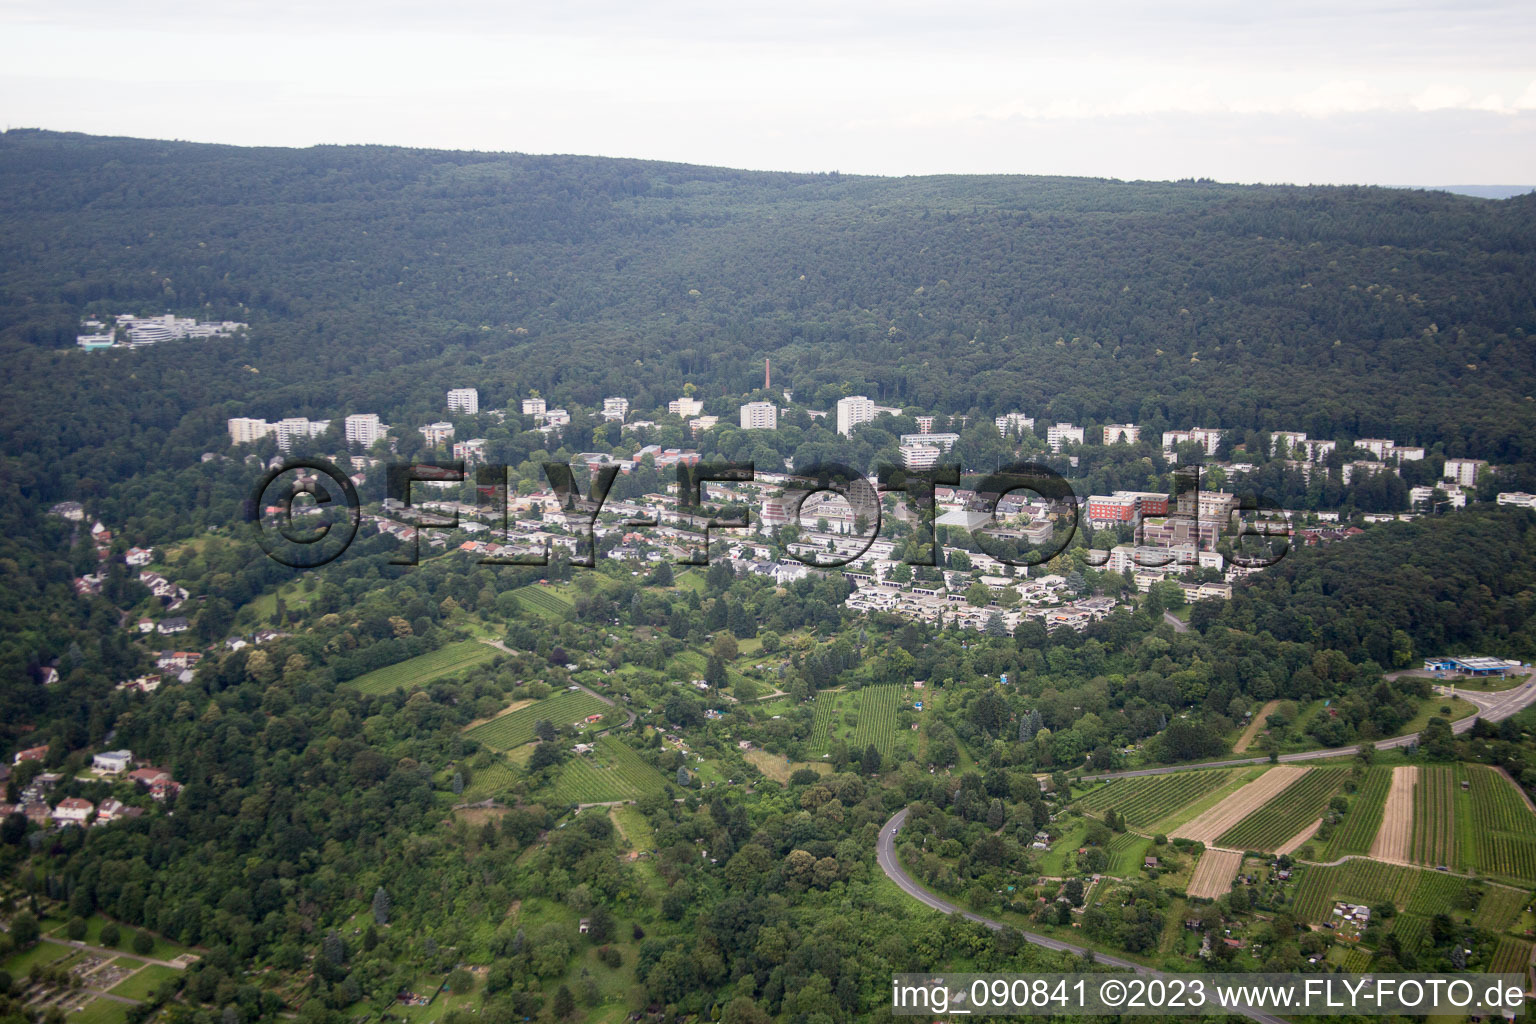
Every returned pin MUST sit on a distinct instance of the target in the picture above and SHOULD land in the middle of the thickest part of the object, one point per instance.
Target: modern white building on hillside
(464, 400)
(685, 407)
(852, 411)
(1063, 434)
(364, 429)
(615, 409)
(1121, 433)
(533, 407)
(1464, 471)
(1014, 423)
(437, 433)
(759, 416)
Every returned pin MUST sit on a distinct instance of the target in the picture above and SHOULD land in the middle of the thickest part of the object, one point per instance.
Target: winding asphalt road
(1493, 707)
(885, 854)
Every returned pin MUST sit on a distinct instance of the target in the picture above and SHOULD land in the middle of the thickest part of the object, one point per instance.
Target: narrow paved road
(1178, 624)
(1493, 707)
(885, 854)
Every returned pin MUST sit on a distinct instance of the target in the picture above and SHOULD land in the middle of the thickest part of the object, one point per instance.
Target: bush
(143, 943)
(76, 928)
(110, 935)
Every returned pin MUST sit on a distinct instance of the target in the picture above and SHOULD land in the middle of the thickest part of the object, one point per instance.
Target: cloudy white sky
(1404, 92)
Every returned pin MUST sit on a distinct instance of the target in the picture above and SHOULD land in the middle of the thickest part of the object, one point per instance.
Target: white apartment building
(1121, 433)
(465, 400)
(1406, 453)
(244, 430)
(1464, 471)
(297, 427)
(1377, 446)
(364, 429)
(1519, 499)
(1206, 437)
(1418, 496)
(1063, 434)
(615, 409)
(533, 407)
(685, 407)
(759, 416)
(554, 417)
(1313, 451)
(437, 433)
(472, 450)
(925, 423)
(699, 424)
(920, 456)
(1014, 422)
(1292, 438)
(944, 441)
(852, 411)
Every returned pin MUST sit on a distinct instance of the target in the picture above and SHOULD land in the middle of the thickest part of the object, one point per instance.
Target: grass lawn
(164, 948)
(1430, 708)
(45, 952)
(144, 983)
(424, 668)
(100, 1011)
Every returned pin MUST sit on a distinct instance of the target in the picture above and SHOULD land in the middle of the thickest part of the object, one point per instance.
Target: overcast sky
(1403, 92)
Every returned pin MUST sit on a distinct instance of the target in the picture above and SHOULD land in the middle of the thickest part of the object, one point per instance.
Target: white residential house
(1292, 438)
(1377, 446)
(920, 456)
(244, 430)
(1518, 499)
(615, 408)
(112, 762)
(533, 407)
(437, 433)
(685, 407)
(139, 557)
(73, 810)
(464, 400)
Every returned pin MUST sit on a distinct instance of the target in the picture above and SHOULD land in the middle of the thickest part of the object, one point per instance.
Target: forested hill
(374, 277)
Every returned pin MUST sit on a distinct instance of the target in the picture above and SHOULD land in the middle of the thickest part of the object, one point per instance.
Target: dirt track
(1239, 805)
(1295, 842)
(1213, 875)
(1392, 838)
(1252, 732)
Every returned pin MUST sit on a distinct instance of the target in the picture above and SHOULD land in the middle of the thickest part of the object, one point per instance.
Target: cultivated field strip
(1510, 956)
(1392, 838)
(1297, 841)
(1434, 817)
(1410, 930)
(612, 772)
(1503, 824)
(1499, 908)
(1286, 814)
(1372, 882)
(1150, 798)
(1213, 875)
(1435, 893)
(515, 729)
(1363, 819)
(1314, 893)
(877, 719)
(1232, 810)
(821, 728)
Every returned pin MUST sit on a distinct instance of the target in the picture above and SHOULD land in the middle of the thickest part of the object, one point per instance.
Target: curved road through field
(885, 854)
(1493, 707)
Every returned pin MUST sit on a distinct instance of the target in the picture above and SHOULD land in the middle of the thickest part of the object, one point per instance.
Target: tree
(109, 936)
(683, 778)
(24, 929)
(870, 762)
(334, 949)
(380, 906)
(461, 981)
(564, 1003)
(143, 942)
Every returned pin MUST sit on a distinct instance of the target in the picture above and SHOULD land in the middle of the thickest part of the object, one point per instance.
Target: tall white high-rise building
(296, 427)
(365, 429)
(1013, 422)
(465, 400)
(1063, 434)
(1116, 433)
(759, 416)
(852, 411)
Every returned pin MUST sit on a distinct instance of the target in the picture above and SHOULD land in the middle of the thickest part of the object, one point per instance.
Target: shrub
(143, 942)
